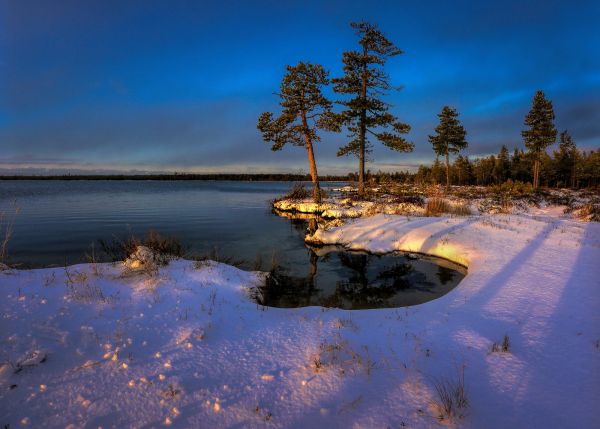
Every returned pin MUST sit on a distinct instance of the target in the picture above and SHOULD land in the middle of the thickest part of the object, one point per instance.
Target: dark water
(59, 221)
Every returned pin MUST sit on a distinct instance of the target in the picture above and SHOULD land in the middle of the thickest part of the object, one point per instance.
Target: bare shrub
(452, 399)
(416, 200)
(297, 192)
(165, 247)
(588, 212)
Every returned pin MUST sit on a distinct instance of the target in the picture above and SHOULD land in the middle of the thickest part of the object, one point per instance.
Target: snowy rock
(144, 259)
(31, 359)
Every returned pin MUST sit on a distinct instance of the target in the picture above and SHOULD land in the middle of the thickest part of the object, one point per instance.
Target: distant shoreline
(184, 177)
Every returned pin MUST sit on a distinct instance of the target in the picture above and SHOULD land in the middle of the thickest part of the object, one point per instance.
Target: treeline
(567, 167)
(184, 176)
(362, 112)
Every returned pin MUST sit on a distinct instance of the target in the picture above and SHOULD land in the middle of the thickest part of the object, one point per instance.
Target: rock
(143, 259)
(30, 359)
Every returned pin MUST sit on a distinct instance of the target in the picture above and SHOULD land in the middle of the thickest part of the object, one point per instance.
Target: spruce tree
(304, 110)
(449, 138)
(564, 160)
(541, 132)
(464, 170)
(502, 167)
(366, 82)
(436, 171)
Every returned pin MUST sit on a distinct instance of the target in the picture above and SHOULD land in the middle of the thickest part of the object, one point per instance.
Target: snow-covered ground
(340, 208)
(410, 200)
(185, 346)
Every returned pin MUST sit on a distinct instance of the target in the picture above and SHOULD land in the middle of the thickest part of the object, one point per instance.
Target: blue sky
(179, 85)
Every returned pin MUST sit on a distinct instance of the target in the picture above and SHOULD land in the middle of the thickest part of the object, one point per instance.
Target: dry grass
(164, 247)
(461, 209)
(338, 355)
(81, 289)
(452, 399)
(502, 348)
(200, 261)
(437, 206)
(7, 222)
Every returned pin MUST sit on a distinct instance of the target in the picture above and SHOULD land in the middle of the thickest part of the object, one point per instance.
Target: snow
(340, 208)
(184, 345)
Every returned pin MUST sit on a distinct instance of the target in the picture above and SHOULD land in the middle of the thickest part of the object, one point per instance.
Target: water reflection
(359, 280)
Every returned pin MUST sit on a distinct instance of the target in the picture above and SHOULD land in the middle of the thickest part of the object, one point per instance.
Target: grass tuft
(452, 398)
(502, 348)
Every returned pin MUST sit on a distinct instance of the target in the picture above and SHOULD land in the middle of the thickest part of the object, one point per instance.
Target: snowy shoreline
(185, 346)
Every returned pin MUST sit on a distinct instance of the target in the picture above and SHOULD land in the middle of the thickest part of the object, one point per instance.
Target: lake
(59, 222)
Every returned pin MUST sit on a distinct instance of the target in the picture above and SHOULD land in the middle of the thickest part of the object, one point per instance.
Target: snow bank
(336, 208)
(185, 346)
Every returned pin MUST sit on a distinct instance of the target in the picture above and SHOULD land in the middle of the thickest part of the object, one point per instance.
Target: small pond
(355, 280)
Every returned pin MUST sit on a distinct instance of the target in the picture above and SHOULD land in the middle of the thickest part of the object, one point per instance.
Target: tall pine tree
(541, 132)
(365, 80)
(304, 110)
(449, 138)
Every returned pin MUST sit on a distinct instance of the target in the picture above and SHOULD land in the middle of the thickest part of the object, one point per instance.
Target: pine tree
(502, 167)
(365, 80)
(449, 138)
(520, 166)
(437, 172)
(304, 110)
(564, 160)
(464, 170)
(541, 132)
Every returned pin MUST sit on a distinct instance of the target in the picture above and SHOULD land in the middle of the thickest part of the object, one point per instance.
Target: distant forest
(182, 176)
(567, 167)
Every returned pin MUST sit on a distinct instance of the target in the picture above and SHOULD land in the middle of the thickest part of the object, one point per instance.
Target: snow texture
(100, 345)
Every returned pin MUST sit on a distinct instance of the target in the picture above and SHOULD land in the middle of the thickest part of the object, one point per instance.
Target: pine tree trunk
(536, 173)
(311, 162)
(447, 169)
(363, 131)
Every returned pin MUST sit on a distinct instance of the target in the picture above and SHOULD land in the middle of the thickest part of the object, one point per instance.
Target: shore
(185, 345)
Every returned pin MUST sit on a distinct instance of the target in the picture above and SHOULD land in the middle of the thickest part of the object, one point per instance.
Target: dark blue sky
(178, 85)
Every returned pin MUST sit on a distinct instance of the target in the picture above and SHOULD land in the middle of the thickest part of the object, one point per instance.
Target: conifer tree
(449, 138)
(564, 160)
(366, 82)
(541, 132)
(502, 167)
(464, 170)
(304, 110)
(436, 171)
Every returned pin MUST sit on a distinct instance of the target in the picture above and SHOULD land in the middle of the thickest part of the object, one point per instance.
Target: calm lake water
(60, 221)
